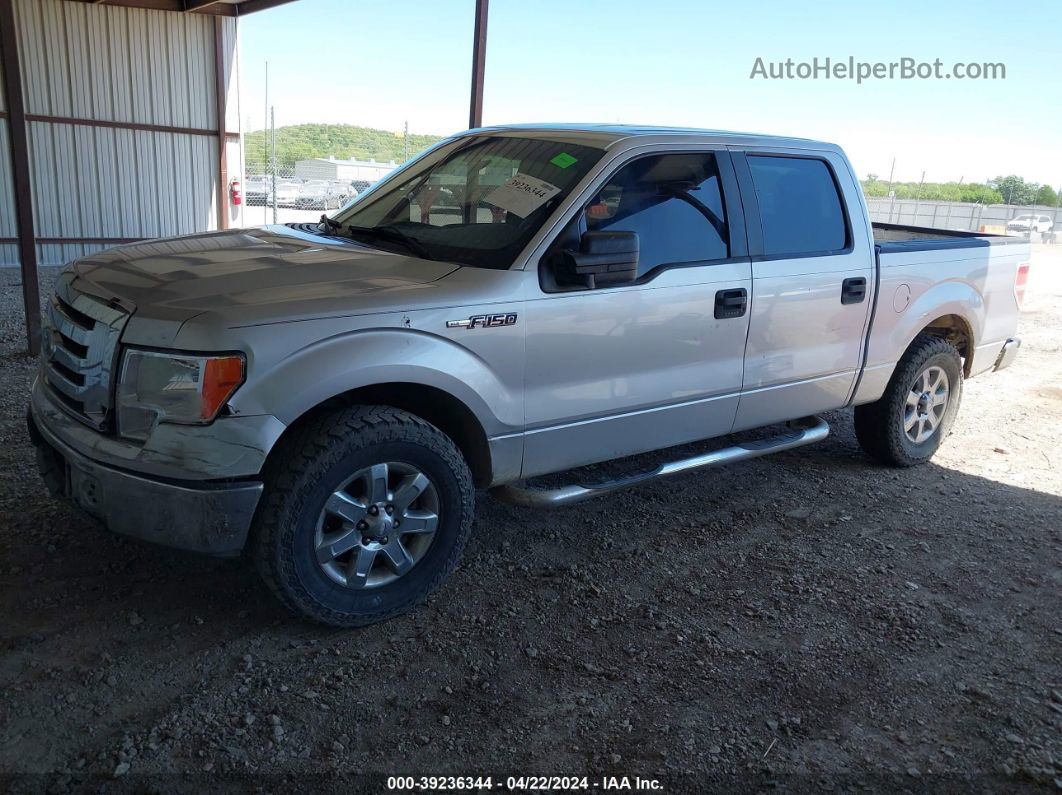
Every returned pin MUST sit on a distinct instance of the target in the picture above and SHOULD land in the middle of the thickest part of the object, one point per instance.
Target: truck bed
(901, 238)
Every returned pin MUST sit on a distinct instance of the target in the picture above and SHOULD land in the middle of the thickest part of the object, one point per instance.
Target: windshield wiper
(394, 235)
(329, 224)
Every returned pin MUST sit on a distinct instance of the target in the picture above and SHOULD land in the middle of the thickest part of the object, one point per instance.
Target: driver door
(657, 361)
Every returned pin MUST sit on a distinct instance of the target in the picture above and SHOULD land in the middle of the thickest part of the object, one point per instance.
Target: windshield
(477, 201)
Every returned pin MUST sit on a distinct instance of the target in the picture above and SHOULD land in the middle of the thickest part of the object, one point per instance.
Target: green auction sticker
(563, 160)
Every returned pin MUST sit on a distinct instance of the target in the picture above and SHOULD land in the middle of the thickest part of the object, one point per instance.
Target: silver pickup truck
(516, 301)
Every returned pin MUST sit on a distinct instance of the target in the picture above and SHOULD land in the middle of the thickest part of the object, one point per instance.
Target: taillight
(1021, 278)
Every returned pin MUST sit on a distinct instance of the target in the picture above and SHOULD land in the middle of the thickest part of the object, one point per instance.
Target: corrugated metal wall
(8, 251)
(125, 65)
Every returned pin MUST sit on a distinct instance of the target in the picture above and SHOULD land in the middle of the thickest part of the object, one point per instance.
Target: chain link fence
(278, 188)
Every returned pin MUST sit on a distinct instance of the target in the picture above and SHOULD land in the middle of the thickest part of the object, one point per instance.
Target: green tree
(1046, 196)
(1014, 189)
(873, 186)
(971, 192)
(977, 193)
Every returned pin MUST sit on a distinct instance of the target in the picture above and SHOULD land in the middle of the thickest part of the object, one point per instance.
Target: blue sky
(379, 63)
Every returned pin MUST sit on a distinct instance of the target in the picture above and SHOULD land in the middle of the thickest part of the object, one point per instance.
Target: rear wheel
(906, 426)
(366, 513)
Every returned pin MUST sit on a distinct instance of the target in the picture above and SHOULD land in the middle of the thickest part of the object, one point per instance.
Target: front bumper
(1007, 354)
(200, 516)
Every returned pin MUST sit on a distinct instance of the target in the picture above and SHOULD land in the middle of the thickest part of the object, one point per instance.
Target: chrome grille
(80, 347)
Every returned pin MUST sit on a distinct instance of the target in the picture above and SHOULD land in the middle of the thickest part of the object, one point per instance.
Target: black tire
(879, 426)
(312, 464)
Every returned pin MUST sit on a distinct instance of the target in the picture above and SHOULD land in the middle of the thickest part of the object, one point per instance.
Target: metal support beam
(253, 6)
(221, 94)
(479, 57)
(16, 120)
(213, 7)
(178, 6)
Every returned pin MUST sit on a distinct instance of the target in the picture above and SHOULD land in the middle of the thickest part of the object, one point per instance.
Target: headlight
(172, 387)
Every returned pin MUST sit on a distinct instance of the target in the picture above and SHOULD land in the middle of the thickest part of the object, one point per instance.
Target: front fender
(307, 377)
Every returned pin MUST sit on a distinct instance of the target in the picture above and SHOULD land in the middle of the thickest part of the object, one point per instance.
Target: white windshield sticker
(522, 195)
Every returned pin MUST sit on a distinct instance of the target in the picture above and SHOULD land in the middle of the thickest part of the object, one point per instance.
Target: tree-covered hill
(341, 141)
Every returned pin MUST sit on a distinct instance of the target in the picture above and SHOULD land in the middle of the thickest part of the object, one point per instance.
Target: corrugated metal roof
(229, 8)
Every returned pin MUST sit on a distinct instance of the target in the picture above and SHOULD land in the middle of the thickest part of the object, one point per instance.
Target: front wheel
(367, 510)
(906, 426)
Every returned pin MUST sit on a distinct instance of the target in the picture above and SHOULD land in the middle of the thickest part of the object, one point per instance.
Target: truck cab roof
(606, 135)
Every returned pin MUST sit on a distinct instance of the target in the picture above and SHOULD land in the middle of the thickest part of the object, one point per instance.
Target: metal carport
(119, 121)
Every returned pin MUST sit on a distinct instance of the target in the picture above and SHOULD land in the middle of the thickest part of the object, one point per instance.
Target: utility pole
(479, 56)
(265, 138)
(265, 124)
(273, 160)
(892, 196)
(405, 143)
(918, 198)
(947, 219)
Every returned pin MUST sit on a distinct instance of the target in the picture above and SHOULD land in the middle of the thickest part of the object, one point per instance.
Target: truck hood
(271, 273)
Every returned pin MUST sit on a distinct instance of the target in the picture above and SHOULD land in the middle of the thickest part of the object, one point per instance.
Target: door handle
(731, 303)
(853, 291)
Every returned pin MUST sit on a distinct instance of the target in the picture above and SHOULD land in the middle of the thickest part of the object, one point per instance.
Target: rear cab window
(801, 208)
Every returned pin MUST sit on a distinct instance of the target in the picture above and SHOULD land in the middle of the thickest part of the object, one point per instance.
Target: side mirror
(605, 258)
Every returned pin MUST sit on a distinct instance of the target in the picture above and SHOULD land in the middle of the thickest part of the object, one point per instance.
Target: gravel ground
(808, 621)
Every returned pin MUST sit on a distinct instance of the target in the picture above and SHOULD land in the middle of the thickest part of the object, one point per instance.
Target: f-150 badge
(484, 321)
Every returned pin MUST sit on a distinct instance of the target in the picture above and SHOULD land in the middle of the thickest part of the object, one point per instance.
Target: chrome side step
(805, 431)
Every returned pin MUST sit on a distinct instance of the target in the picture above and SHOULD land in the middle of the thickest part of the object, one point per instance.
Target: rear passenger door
(812, 282)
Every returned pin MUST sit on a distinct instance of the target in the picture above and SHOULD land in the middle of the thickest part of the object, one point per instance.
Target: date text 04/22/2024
(521, 783)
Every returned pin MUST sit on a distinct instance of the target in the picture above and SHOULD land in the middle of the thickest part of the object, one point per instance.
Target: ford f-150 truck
(516, 301)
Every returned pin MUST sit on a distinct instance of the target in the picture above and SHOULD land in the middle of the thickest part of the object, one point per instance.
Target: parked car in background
(259, 191)
(315, 194)
(350, 199)
(332, 409)
(256, 189)
(289, 193)
(324, 194)
(1029, 224)
(344, 189)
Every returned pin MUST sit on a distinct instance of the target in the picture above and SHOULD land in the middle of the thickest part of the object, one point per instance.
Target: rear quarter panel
(917, 288)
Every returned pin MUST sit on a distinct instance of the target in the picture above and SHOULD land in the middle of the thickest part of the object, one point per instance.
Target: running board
(805, 431)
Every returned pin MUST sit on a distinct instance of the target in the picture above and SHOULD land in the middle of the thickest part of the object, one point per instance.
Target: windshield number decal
(522, 195)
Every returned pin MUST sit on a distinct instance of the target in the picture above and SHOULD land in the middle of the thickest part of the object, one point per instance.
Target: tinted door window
(673, 202)
(800, 207)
